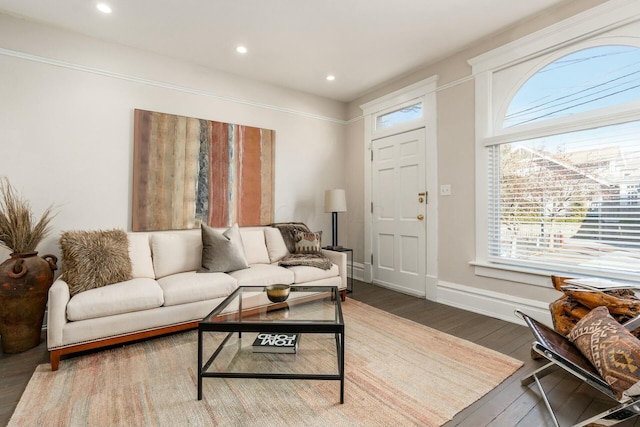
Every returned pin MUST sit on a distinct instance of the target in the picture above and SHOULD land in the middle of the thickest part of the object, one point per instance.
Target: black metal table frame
(285, 327)
(345, 250)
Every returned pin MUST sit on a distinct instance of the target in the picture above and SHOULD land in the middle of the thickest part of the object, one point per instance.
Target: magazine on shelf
(598, 284)
(276, 343)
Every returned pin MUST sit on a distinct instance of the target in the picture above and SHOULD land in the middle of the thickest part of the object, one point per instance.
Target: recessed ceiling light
(103, 7)
(331, 77)
(241, 49)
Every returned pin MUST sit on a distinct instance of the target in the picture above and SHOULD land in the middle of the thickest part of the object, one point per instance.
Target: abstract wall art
(189, 171)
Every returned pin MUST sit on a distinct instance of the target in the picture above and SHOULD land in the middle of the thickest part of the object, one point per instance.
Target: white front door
(398, 217)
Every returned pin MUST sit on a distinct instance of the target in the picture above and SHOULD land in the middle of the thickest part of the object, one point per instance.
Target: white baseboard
(402, 289)
(488, 303)
(492, 304)
(358, 271)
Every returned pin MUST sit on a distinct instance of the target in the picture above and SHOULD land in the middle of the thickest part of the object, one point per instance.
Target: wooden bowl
(278, 293)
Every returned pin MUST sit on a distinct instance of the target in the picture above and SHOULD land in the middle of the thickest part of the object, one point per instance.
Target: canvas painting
(188, 171)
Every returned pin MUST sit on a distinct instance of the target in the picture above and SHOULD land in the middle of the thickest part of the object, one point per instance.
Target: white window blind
(567, 202)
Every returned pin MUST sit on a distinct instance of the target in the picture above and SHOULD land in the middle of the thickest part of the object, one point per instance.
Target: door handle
(420, 217)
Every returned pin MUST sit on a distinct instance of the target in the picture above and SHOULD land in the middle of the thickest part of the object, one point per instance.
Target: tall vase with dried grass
(25, 278)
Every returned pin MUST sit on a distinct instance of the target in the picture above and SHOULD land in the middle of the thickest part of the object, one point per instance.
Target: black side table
(350, 278)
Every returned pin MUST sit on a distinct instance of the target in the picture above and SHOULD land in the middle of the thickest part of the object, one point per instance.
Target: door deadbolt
(420, 199)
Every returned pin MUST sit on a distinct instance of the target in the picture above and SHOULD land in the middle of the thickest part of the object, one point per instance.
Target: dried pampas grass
(18, 230)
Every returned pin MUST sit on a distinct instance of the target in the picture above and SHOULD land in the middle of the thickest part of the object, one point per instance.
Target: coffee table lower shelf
(204, 373)
(311, 311)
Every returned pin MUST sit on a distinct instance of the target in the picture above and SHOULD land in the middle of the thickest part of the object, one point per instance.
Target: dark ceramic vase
(25, 280)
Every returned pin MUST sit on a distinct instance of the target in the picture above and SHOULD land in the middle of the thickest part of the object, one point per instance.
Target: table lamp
(335, 201)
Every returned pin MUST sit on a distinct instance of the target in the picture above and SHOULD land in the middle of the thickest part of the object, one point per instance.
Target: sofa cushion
(140, 254)
(189, 287)
(304, 274)
(275, 244)
(123, 297)
(176, 252)
(222, 251)
(91, 259)
(255, 246)
(262, 275)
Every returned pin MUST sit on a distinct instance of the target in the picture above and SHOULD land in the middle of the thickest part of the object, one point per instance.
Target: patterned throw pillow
(308, 243)
(612, 350)
(92, 259)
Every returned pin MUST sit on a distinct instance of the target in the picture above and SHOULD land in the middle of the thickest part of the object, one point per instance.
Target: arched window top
(585, 80)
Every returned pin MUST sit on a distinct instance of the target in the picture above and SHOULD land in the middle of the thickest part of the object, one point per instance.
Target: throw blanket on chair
(289, 231)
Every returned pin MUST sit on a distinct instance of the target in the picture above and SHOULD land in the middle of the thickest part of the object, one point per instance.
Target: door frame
(424, 91)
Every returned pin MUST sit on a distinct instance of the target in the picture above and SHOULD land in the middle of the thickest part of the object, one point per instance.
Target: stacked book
(276, 343)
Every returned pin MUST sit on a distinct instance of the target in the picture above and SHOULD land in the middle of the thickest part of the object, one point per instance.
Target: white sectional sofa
(166, 293)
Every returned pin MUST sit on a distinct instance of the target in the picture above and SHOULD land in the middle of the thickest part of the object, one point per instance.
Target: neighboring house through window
(558, 150)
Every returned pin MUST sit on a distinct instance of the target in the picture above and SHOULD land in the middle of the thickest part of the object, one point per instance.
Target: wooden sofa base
(55, 355)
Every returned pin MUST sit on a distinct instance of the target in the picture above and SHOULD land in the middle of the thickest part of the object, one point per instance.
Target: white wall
(66, 125)
(456, 166)
(66, 136)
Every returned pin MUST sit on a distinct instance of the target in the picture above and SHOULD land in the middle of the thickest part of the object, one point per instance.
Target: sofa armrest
(59, 297)
(339, 259)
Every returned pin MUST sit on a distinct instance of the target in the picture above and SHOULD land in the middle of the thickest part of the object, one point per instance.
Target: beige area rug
(398, 373)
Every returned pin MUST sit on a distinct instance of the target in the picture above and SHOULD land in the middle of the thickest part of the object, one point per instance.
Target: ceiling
(291, 43)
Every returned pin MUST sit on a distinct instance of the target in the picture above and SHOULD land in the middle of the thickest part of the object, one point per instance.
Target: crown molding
(164, 85)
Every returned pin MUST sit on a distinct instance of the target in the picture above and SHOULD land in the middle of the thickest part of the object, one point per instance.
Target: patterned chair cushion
(612, 350)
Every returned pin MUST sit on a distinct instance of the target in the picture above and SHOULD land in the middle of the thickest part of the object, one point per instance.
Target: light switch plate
(445, 190)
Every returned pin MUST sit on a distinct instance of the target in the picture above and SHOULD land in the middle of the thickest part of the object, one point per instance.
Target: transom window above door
(406, 114)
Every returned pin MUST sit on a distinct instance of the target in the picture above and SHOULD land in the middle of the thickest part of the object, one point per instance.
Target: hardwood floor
(510, 404)
(15, 372)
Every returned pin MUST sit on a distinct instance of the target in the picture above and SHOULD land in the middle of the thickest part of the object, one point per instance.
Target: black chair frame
(561, 353)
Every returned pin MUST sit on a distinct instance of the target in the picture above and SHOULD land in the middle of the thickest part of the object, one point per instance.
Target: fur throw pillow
(92, 259)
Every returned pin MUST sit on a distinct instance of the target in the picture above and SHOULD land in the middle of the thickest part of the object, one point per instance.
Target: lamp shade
(335, 201)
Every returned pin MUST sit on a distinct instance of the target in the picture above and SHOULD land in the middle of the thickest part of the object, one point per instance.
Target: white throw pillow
(255, 248)
(176, 252)
(275, 244)
(140, 254)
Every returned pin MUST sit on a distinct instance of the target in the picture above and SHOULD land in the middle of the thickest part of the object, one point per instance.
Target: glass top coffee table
(314, 313)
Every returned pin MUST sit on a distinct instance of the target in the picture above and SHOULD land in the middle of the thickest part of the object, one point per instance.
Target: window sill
(529, 276)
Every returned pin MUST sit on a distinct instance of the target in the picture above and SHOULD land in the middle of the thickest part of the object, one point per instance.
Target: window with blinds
(569, 201)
